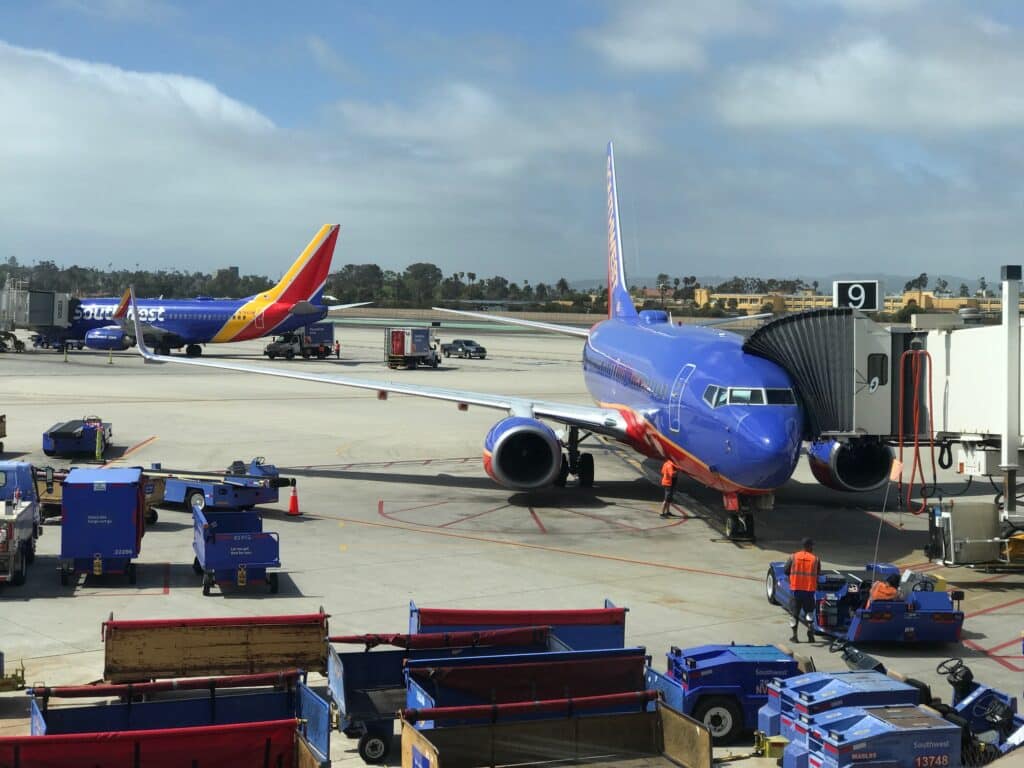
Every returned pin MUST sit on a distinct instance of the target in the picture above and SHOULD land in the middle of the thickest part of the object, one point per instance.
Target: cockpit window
(780, 397)
(716, 396)
(745, 396)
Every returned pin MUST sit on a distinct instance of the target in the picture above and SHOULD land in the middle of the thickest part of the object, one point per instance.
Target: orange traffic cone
(293, 503)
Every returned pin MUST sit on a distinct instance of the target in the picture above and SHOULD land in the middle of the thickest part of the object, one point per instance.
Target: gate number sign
(856, 294)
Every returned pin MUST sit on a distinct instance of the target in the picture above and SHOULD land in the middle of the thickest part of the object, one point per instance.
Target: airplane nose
(769, 448)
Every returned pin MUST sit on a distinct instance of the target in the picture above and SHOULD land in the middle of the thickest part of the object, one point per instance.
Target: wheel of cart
(375, 745)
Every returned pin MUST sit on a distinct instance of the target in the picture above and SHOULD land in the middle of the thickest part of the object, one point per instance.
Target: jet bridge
(21, 307)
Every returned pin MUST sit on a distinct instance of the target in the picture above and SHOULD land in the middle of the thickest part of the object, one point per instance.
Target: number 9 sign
(856, 294)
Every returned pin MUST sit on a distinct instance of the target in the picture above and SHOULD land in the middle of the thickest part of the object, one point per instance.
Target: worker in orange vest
(803, 568)
(668, 485)
(337, 349)
(885, 590)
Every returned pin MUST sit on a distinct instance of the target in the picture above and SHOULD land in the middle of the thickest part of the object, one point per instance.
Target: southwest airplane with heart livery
(727, 418)
(295, 302)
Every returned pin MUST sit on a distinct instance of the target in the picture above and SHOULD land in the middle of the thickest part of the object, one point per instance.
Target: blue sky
(753, 136)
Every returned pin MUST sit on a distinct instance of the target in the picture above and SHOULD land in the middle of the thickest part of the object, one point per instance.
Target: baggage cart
(636, 739)
(102, 522)
(501, 679)
(722, 686)
(922, 613)
(241, 486)
(232, 548)
(89, 435)
(271, 720)
(580, 629)
(13, 681)
(367, 687)
(149, 649)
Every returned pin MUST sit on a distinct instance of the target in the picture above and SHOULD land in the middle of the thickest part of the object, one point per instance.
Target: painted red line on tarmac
(997, 659)
(167, 578)
(882, 518)
(1003, 645)
(421, 506)
(681, 511)
(474, 515)
(380, 506)
(133, 449)
(997, 577)
(538, 547)
(536, 519)
(983, 611)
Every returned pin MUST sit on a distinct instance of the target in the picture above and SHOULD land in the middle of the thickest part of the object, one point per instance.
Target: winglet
(140, 342)
(122, 306)
(620, 304)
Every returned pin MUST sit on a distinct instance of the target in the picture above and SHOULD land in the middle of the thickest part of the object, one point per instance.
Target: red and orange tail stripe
(300, 283)
(122, 306)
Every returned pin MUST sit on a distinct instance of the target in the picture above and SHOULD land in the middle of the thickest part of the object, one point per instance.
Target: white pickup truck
(19, 521)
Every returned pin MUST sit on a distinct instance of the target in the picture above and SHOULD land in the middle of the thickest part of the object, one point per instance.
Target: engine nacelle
(109, 337)
(522, 454)
(854, 465)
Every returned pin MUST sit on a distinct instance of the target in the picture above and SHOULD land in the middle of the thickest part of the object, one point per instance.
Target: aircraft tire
(563, 472)
(193, 350)
(585, 470)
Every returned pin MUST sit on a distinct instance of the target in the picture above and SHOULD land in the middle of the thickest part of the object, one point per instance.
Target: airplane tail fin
(122, 306)
(305, 279)
(620, 304)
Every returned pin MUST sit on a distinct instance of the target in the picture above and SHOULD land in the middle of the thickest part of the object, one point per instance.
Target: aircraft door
(259, 320)
(675, 400)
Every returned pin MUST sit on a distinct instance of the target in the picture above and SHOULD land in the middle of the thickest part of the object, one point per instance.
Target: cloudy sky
(752, 136)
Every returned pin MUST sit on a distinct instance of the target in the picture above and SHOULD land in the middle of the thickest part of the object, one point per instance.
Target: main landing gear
(575, 463)
(193, 350)
(739, 525)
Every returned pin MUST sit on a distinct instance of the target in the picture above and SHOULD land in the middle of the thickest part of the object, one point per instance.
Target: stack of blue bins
(800, 704)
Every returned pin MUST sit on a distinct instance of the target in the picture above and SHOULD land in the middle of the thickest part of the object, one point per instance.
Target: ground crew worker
(803, 568)
(337, 349)
(668, 485)
(885, 590)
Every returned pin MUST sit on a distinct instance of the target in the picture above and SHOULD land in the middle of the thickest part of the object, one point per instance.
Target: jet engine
(853, 465)
(522, 454)
(108, 337)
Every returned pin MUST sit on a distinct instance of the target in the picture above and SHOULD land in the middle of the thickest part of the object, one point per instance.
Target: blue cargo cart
(241, 486)
(232, 548)
(502, 679)
(918, 615)
(230, 722)
(722, 686)
(580, 629)
(883, 736)
(102, 522)
(89, 435)
(367, 687)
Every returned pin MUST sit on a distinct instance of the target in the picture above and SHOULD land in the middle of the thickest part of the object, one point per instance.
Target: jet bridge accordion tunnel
(846, 369)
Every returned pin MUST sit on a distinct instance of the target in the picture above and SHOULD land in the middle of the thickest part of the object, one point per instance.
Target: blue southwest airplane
(729, 419)
(296, 301)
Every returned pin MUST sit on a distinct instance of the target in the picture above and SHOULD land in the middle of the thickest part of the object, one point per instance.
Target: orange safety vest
(668, 473)
(803, 577)
(882, 591)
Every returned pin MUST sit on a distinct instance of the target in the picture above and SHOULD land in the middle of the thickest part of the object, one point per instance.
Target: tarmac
(396, 507)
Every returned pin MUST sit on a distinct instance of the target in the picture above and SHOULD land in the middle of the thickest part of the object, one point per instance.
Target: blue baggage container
(77, 437)
(102, 522)
(232, 548)
(723, 686)
(818, 692)
(580, 629)
(884, 736)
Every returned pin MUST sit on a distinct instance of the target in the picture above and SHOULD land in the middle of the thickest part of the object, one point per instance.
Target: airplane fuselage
(727, 418)
(194, 321)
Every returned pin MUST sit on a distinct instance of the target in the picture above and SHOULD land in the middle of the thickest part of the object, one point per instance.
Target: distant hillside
(891, 283)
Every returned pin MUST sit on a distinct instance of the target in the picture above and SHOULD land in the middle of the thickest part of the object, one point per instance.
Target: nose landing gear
(739, 525)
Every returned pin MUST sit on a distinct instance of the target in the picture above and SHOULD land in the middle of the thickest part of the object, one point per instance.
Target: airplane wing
(726, 320)
(605, 421)
(569, 330)
(349, 306)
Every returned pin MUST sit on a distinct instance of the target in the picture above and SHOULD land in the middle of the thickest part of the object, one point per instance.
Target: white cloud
(667, 35)
(329, 59)
(868, 82)
(465, 123)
